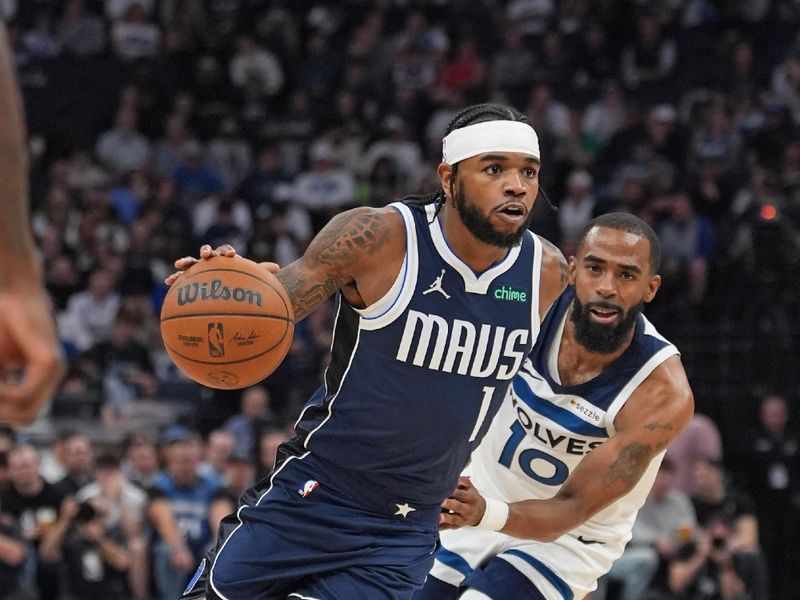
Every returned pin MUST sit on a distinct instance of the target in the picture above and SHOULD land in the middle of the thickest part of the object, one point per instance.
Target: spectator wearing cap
(182, 510)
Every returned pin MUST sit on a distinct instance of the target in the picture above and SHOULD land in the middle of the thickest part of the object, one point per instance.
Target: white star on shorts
(404, 509)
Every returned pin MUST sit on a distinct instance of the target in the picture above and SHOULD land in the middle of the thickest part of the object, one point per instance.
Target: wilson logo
(216, 290)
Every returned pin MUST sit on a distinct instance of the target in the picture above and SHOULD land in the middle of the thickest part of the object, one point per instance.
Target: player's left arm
(651, 419)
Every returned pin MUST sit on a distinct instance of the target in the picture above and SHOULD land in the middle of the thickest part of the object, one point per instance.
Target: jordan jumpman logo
(436, 286)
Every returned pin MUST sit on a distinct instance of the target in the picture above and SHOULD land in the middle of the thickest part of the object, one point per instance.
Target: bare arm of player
(554, 276)
(27, 332)
(653, 417)
(359, 252)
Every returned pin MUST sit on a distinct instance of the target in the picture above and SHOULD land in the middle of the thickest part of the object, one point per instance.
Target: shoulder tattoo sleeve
(329, 260)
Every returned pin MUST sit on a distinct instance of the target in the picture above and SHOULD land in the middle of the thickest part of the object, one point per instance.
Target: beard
(481, 227)
(598, 337)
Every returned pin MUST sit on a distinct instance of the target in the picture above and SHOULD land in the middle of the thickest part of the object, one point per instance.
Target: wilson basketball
(227, 322)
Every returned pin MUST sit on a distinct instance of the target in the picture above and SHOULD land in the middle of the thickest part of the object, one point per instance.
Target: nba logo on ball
(216, 340)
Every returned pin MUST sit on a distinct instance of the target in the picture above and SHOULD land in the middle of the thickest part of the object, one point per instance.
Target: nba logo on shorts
(309, 487)
(216, 340)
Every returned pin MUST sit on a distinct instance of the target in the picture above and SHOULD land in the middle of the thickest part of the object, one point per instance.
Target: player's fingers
(185, 262)
(451, 521)
(20, 402)
(172, 278)
(271, 266)
(451, 505)
(205, 251)
(224, 250)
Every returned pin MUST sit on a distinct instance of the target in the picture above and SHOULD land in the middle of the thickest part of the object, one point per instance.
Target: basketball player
(28, 339)
(439, 301)
(573, 452)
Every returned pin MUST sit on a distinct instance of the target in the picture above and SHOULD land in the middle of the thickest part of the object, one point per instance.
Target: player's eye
(628, 276)
(530, 173)
(493, 169)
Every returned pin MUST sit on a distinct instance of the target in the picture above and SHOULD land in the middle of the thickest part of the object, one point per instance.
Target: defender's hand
(464, 507)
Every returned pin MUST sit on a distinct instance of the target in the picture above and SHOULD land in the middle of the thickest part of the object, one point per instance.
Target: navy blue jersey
(416, 378)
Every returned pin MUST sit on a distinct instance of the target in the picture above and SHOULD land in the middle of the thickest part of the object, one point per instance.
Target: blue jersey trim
(546, 572)
(555, 413)
(454, 561)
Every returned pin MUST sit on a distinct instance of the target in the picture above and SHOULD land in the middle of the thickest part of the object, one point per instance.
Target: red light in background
(768, 212)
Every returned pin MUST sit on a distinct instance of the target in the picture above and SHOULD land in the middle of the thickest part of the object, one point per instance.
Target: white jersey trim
(643, 373)
(536, 288)
(473, 284)
(395, 301)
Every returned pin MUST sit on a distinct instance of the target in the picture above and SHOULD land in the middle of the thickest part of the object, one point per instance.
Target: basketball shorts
(310, 536)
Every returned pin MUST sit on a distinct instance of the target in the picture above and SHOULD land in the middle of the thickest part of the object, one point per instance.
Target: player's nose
(514, 184)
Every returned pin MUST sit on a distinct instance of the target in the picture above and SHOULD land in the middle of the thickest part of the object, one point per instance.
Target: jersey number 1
(488, 392)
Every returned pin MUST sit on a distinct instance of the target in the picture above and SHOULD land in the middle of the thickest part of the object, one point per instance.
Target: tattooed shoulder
(350, 235)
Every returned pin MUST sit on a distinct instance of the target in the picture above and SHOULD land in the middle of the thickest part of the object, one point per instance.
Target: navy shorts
(310, 535)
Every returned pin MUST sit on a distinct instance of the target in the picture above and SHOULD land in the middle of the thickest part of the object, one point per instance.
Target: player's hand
(464, 507)
(206, 252)
(31, 361)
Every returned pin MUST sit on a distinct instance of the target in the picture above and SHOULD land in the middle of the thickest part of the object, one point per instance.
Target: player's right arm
(359, 252)
(554, 276)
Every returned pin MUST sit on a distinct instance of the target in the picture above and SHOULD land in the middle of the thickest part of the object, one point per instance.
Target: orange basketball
(227, 322)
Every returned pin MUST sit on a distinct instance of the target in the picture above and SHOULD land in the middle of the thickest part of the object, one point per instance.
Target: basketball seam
(227, 314)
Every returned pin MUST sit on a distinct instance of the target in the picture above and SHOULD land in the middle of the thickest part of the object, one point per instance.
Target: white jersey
(541, 433)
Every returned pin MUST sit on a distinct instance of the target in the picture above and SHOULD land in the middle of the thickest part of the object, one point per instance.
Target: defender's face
(494, 194)
(611, 275)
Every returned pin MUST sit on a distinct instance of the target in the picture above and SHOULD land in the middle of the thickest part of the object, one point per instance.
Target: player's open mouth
(513, 213)
(604, 315)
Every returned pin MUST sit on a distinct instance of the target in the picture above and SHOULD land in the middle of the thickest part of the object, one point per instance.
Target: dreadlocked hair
(478, 113)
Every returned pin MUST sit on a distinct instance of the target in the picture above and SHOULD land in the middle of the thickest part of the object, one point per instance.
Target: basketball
(227, 322)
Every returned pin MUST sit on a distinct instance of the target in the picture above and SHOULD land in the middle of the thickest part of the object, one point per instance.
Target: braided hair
(478, 113)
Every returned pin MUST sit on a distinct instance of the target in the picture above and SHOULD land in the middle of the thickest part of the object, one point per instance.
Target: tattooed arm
(554, 275)
(652, 417)
(358, 252)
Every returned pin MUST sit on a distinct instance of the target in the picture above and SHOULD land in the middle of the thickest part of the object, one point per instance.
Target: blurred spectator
(123, 148)
(13, 554)
(123, 368)
(773, 481)
(512, 69)
(665, 522)
(326, 188)
(240, 473)
(34, 505)
(531, 16)
(229, 153)
(123, 504)
(466, 70)
(280, 233)
(80, 33)
(648, 63)
(700, 440)
(395, 143)
(714, 568)
(687, 246)
(194, 177)
(716, 499)
(169, 151)
(140, 464)
(77, 458)
(181, 509)
(255, 414)
(96, 556)
(220, 445)
(268, 445)
(135, 36)
(253, 65)
(259, 187)
(605, 116)
(575, 211)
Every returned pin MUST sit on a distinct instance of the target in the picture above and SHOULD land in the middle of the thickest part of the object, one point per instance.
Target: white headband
(490, 136)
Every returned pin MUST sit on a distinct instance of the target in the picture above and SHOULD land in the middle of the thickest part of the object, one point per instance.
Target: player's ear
(652, 288)
(444, 171)
(572, 268)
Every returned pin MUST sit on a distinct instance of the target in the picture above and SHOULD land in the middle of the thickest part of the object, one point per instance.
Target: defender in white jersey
(573, 452)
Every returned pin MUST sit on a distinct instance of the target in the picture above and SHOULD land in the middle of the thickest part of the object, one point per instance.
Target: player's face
(494, 195)
(612, 279)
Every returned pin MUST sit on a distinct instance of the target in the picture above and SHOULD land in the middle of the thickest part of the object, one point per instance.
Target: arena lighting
(768, 212)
